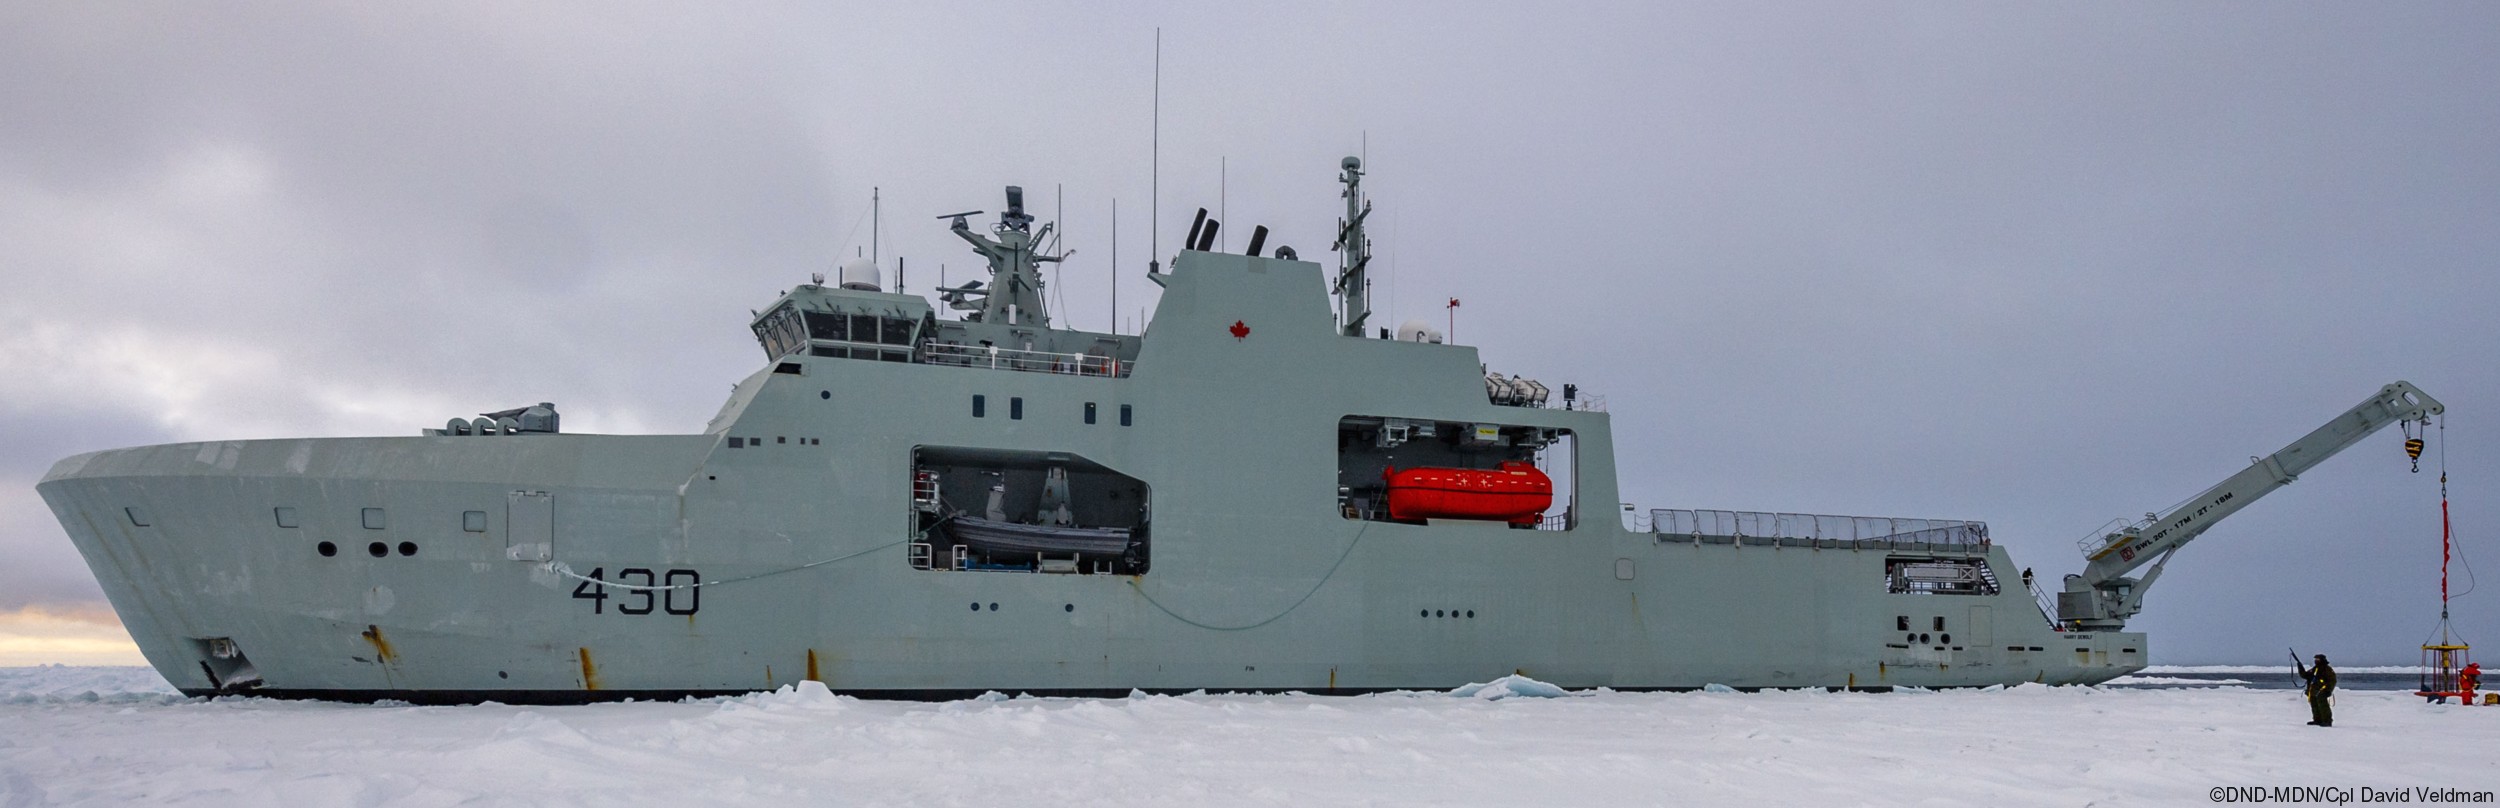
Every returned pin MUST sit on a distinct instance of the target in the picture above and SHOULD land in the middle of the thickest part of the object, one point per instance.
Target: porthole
(1424, 613)
(1471, 614)
(1071, 607)
(1436, 613)
(825, 394)
(993, 607)
(976, 607)
(378, 549)
(407, 548)
(326, 549)
(1948, 639)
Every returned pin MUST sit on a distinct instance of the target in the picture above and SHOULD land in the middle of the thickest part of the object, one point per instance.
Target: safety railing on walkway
(997, 358)
(1699, 524)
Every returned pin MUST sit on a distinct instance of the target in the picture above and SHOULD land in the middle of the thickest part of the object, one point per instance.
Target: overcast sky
(2042, 265)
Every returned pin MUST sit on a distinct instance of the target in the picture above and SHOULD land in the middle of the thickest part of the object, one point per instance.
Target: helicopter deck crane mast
(2105, 595)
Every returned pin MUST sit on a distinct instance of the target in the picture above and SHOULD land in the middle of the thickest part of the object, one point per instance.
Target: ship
(933, 497)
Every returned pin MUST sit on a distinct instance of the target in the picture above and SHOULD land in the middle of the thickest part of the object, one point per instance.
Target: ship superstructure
(1261, 492)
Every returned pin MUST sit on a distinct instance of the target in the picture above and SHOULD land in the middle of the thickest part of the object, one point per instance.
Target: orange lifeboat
(1515, 492)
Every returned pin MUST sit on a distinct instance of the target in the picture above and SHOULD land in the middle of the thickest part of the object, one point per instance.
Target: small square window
(737, 443)
(286, 516)
(1940, 623)
(1089, 412)
(473, 521)
(781, 439)
(373, 519)
(1124, 420)
(980, 406)
(1901, 624)
(1015, 408)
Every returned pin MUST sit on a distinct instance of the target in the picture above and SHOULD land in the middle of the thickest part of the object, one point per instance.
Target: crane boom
(2104, 596)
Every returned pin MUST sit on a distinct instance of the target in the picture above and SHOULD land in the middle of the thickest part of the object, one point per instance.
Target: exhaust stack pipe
(1258, 238)
(1206, 240)
(1195, 225)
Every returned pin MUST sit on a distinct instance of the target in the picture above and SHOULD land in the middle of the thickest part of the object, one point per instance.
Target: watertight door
(1982, 633)
(529, 526)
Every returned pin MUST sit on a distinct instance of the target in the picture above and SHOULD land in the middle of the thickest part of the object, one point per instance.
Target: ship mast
(1354, 253)
(1014, 296)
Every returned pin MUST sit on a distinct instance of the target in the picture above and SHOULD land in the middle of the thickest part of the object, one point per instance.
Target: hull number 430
(672, 591)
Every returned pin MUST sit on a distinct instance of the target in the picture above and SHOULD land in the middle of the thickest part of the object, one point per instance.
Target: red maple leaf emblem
(1240, 331)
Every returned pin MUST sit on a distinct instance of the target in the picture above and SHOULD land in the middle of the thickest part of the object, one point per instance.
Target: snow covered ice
(110, 736)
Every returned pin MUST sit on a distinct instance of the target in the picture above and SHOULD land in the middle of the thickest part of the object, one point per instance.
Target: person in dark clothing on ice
(2321, 684)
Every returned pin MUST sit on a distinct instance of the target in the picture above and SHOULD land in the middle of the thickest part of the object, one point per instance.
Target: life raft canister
(1513, 492)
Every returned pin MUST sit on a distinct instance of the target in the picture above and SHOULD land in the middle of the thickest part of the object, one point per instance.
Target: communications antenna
(1354, 253)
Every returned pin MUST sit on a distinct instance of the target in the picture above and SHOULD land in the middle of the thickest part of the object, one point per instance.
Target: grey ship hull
(1257, 582)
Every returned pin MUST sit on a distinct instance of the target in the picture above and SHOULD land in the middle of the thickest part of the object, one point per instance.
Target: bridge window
(857, 335)
(827, 325)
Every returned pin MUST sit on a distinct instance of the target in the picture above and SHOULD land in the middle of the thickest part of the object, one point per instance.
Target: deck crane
(2104, 595)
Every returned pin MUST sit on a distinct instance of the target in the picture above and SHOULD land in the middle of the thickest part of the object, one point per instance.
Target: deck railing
(1816, 527)
(997, 358)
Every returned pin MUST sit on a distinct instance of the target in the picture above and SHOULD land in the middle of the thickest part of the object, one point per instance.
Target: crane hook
(2413, 445)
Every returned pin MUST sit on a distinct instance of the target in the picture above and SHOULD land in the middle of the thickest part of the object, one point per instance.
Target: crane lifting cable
(2448, 668)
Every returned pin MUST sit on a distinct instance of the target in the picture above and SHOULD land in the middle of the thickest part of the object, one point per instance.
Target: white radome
(860, 274)
(1416, 330)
